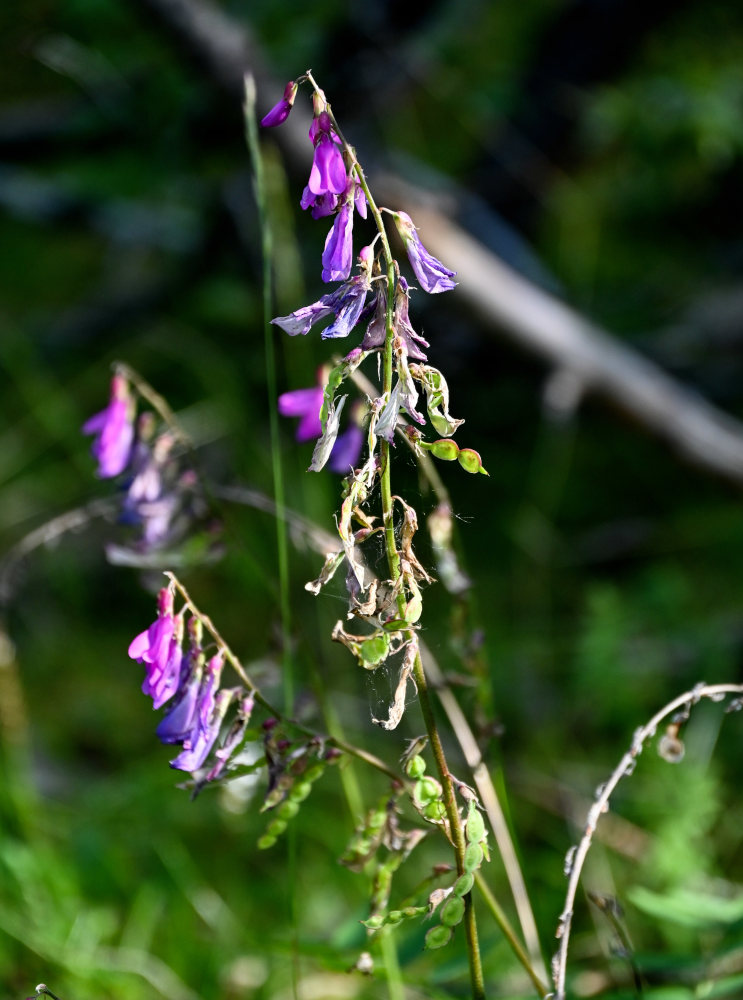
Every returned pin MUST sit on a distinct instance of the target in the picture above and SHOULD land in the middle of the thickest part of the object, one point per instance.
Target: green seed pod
(470, 461)
(288, 809)
(426, 790)
(472, 857)
(464, 884)
(438, 936)
(435, 811)
(475, 825)
(374, 923)
(300, 791)
(416, 767)
(445, 449)
(265, 842)
(452, 911)
(394, 917)
(276, 827)
(313, 773)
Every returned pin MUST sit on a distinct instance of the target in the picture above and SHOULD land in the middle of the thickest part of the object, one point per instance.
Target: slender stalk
(282, 543)
(393, 562)
(577, 855)
(395, 985)
(239, 669)
(502, 920)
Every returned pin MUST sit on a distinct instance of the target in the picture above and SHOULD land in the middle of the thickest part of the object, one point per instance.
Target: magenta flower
(305, 404)
(429, 271)
(321, 204)
(153, 645)
(338, 253)
(280, 112)
(328, 173)
(114, 428)
(163, 676)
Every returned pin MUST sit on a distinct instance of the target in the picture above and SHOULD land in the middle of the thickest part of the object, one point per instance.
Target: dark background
(597, 148)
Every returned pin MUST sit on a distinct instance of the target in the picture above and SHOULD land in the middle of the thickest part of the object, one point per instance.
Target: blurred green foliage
(605, 571)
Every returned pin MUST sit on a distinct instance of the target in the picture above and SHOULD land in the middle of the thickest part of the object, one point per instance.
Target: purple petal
(304, 403)
(277, 115)
(299, 322)
(429, 271)
(337, 256)
(328, 172)
(346, 450)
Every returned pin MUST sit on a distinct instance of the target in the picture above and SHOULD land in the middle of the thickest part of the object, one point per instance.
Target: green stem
(395, 984)
(393, 561)
(502, 920)
(282, 543)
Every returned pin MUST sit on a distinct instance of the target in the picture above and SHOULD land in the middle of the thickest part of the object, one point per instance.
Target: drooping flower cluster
(208, 722)
(160, 494)
(337, 186)
(375, 301)
(198, 710)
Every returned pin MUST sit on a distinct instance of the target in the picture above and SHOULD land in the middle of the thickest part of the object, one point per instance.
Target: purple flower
(346, 450)
(321, 204)
(328, 172)
(338, 253)
(163, 677)
(429, 271)
(346, 302)
(376, 331)
(114, 428)
(176, 724)
(233, 738)
(305, 404)
(280, 112)
(209, 713)
(402, 324)
(153, 645)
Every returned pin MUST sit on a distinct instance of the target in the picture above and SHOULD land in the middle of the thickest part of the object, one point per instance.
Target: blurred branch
(585, 357)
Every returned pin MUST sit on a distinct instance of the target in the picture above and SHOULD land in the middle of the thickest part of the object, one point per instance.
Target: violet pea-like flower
(114, 430)
(346, 302)
(153, 645)
(328, 173)
(429, 271)
(175, 726)
(210, 711)
(337, 256)
(280, 112)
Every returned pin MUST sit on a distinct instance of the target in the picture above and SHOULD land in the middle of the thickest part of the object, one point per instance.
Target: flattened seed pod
(452, 911)
(472, 857)
(438, 936)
